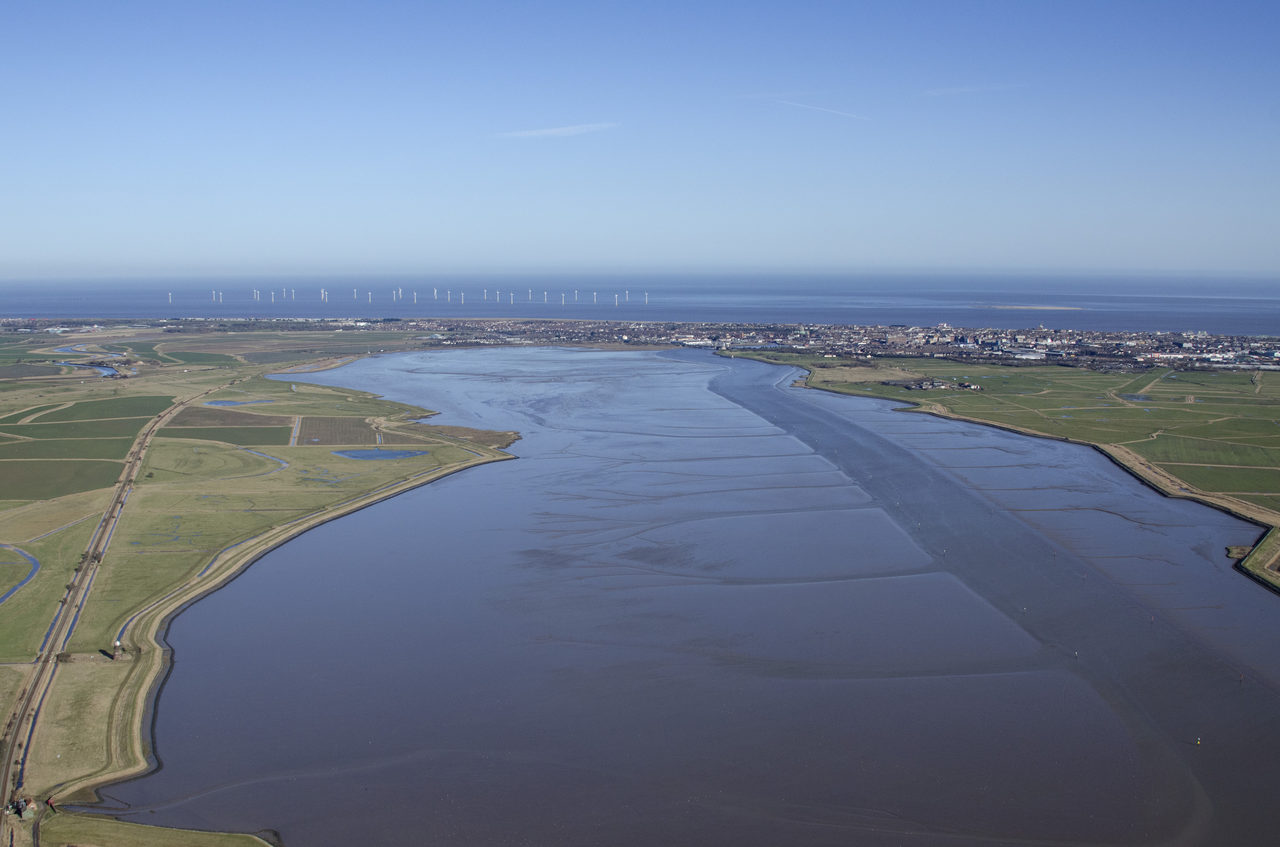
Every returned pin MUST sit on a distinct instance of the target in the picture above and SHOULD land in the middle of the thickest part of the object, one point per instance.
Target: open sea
(1222, 306)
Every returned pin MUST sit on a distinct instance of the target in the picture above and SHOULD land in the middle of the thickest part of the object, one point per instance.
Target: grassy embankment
(1211, 436)
(218, 487)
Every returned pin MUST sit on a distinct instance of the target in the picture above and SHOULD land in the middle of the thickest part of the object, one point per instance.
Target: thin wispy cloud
(821, 109)
(559, 131)
(969, 89)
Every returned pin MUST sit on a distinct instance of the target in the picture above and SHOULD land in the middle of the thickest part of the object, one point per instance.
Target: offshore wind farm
(1221, 305)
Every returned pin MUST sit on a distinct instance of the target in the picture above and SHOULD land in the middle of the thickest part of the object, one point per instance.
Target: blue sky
(192, 138)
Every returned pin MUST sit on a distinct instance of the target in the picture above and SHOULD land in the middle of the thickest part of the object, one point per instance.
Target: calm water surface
(704, 607)
(1225, 306)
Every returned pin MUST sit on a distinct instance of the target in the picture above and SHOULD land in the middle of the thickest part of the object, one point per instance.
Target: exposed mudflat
(708, 608)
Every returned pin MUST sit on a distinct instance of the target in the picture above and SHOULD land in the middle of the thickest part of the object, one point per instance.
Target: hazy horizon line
(657, 272)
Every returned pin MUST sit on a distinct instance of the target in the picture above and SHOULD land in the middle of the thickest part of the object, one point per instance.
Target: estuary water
(706, 607)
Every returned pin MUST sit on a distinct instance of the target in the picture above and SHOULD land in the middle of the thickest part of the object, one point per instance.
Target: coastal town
(1097, 350)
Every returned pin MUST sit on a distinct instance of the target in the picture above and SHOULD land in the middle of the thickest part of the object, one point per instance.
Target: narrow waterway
(705, 607)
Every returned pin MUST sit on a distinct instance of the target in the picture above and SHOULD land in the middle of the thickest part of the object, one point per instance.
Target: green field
(1262, 481)
(111, 428)
(20, 414)
(1204, 449)
(26, 370)
(28, 612)
(247, 435)
(115, 407)
(299, 398)
(36, 479)
(66, 830)
(19, 352)
(13, 568)
(66, 448)
(190, 358)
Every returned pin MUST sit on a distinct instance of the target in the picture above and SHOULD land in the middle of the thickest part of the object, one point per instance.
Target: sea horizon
(1217, 305)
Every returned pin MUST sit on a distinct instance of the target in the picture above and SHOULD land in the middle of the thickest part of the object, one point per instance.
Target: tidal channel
(706, 607)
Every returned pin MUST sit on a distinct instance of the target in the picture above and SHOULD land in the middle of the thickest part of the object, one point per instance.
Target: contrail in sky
(558, 131)
(822, 109)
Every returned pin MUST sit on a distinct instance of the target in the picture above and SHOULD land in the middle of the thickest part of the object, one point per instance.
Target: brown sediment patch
(321, 365)
(484, 437)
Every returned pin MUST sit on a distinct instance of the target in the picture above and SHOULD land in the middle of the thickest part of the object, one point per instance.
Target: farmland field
(110, 428)
(116, 407)
(233, 434)
(44, 479)
(322, 430)
(220, 416)
(66, 448)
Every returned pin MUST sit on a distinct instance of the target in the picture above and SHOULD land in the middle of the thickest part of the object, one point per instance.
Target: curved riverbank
(1262, 564)
(129, 750)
